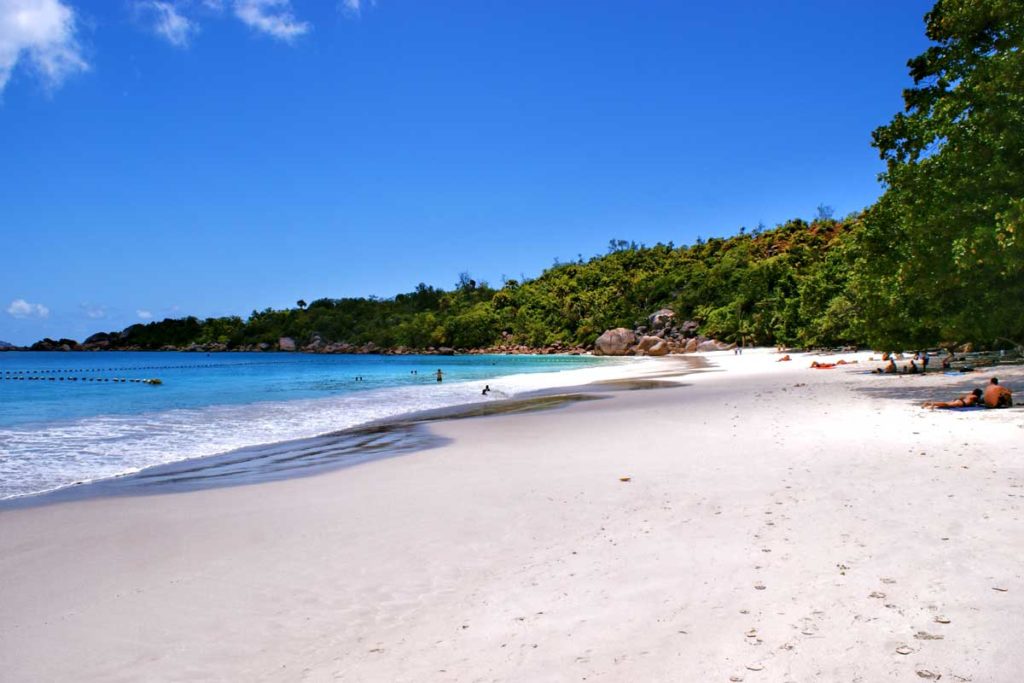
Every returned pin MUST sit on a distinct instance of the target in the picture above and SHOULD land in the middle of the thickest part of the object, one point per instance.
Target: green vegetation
(785, 285)
(941, 253)
(938, 259)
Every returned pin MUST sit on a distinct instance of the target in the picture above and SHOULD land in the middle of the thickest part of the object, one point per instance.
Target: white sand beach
(779, 524)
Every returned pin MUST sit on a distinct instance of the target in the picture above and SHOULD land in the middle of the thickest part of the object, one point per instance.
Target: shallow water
(56, 431)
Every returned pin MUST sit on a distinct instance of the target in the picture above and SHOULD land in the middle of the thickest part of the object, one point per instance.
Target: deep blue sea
(56, 431)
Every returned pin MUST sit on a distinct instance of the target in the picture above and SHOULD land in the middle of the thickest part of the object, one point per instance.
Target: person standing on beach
(440, 375)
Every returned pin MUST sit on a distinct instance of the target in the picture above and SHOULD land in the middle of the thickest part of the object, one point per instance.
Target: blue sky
(209, 157)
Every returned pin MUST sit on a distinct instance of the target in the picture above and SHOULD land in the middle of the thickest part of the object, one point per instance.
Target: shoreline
(378, 438)
(778, 524)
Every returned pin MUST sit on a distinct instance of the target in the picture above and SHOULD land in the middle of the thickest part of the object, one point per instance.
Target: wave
(47, 456)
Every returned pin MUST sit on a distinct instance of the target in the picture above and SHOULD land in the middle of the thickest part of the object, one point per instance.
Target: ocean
(77, 422)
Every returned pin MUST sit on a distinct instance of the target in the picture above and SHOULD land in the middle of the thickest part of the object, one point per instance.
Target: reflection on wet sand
(304, 457)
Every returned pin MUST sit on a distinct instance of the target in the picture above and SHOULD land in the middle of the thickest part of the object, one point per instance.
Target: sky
(162, 158)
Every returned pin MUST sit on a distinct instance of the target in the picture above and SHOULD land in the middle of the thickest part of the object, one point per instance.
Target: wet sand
(777, 523)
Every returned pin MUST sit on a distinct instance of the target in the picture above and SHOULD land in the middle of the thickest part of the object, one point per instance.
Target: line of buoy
(115, 380)
(146, 367)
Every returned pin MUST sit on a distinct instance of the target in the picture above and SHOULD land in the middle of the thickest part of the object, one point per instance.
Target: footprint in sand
(808, 627)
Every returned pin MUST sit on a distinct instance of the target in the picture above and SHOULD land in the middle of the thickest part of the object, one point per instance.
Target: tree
(941, 256)
(301, 303)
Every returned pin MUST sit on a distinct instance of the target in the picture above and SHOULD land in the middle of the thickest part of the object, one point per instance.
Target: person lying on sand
(964, 401)
(822, 366)
(997, 396)
(786, 357)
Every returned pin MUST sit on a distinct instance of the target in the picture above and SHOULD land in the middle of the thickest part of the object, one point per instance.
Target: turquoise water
(55, 430)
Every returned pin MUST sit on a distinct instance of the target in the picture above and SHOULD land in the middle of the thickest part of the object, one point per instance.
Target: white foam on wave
(40, 458)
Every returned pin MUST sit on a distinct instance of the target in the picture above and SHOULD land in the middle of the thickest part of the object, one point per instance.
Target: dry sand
(779, 524)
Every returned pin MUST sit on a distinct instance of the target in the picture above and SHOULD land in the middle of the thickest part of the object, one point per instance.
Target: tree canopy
(941, 256)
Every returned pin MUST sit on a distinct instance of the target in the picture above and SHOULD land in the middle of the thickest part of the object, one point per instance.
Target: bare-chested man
(997, 396)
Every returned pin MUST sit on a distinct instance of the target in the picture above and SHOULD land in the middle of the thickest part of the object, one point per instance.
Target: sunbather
(889, 369)
(997, 396)
(964, 401)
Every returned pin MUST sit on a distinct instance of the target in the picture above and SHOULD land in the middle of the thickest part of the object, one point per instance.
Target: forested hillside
(784, 285)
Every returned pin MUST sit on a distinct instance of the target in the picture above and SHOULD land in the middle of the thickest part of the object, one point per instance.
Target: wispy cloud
(20, 308)
(94, 312)
(352, 7)
(41, 34)
(273, 17)
(168, 21)
(144, 314)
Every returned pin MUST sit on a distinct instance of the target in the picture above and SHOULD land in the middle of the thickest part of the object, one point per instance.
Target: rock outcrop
(714, 345)
(662, 348)
(616, 342)
(661, 319)
(286, 344)
(661, 335)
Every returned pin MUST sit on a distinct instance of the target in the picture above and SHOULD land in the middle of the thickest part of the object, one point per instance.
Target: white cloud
(273, 17)
(168, 21)
(40, 33)
(20, 308)
(144, 314)
(94, 312)
(354, 8)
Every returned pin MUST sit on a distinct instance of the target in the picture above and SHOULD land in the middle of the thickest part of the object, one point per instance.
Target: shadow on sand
(912, 389)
